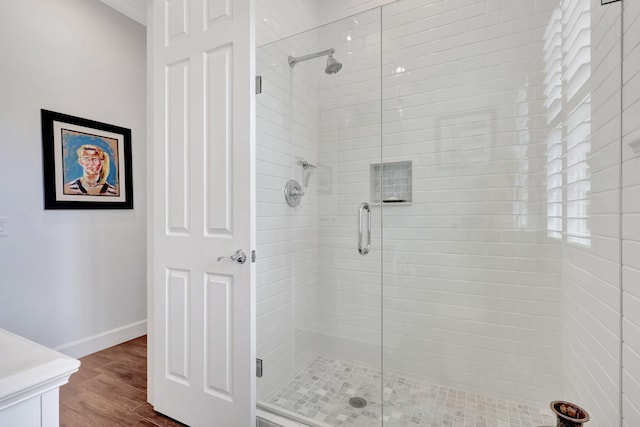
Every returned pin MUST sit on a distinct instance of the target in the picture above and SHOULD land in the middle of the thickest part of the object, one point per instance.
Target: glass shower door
(319, 239)
(506, 120)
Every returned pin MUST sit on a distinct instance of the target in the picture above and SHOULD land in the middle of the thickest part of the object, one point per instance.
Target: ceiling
(134, 9)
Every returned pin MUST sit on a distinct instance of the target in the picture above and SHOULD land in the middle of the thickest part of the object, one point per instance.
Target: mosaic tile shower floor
(322, 391)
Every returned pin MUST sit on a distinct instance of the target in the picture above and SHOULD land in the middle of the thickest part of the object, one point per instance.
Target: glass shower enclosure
(319, 282)
(424, 209)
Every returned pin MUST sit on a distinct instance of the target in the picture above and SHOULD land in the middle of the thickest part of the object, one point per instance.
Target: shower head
(333, 65)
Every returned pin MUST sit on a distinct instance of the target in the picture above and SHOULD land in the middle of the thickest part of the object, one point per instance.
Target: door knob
(238, 256)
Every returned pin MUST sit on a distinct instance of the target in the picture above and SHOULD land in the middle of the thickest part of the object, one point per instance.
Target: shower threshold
(319, 394)
(283, 418)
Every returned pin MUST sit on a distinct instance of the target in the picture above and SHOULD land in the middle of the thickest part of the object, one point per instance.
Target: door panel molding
(218, 145)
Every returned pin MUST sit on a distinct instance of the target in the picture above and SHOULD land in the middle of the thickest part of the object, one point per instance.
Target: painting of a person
(95, 170)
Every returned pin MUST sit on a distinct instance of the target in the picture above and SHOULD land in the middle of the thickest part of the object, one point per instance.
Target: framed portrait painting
(86, 164)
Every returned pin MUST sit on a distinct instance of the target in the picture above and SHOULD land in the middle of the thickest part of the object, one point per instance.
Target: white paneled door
(202, 335)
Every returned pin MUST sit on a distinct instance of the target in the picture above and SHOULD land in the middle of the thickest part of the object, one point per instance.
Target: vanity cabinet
(30, 378)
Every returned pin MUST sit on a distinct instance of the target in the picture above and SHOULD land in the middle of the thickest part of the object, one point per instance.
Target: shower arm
(294, 60)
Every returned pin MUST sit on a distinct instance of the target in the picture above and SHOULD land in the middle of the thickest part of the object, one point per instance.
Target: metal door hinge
(258, 85)
(259, 368)
(253, 256)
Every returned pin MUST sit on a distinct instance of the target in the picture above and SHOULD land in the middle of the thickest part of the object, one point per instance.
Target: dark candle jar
(569, 414)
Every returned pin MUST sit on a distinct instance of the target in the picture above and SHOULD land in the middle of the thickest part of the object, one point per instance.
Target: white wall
(471, 279)
(287, 241)
(69, 275)
(350, 140)
(631, 217)
(277, 19)
(334, 10)
(591, 266)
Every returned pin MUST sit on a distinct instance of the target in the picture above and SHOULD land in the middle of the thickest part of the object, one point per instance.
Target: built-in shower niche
(391, 183)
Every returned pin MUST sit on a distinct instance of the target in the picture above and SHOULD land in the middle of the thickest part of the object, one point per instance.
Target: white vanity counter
(30, 376)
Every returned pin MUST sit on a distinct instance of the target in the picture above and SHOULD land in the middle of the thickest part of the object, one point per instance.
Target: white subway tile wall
(287, 238)
(591, 256)
(631, 217)
(471, 279)
(503, 276)
(277, 19)
(349, 142)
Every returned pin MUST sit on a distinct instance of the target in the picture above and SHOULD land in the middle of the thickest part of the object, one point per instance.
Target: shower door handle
(364, 206)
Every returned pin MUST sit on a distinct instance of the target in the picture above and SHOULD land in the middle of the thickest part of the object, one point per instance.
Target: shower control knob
(238, 256)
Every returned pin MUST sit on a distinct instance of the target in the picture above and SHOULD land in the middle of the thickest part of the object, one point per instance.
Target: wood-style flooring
(110, 390)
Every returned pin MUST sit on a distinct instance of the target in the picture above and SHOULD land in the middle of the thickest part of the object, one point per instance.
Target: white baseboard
(103, 340)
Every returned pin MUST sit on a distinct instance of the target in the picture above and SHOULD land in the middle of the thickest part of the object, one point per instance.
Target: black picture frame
(86, 164)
